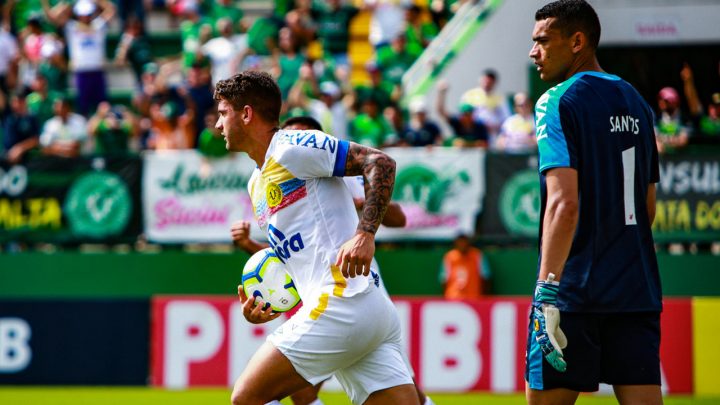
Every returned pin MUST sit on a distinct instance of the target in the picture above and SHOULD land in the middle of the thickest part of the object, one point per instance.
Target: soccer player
(598, 277)
(347, 326)
(394, 218)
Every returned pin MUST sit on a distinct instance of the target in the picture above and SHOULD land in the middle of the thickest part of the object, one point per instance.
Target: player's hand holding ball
(260, 313)
(546, 322)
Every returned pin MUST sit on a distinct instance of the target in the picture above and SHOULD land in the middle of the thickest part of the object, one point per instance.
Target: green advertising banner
(64, 200)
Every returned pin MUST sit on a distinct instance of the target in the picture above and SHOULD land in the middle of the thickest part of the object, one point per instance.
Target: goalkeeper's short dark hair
(309, 122)
(573, 16)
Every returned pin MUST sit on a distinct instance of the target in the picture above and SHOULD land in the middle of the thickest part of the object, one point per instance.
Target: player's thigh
(383, 369)
(583, 356)
(400, 395)
(638, 394)
(556, 396)
(268, 375)
(631, 349)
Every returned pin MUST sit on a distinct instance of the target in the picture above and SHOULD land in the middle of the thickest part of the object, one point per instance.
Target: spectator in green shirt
(419, 33)
(384, 92)
(40, 101)
(134, 48)
(288, 63)
(113, 129)
(370, 128)
(227, 9)
(211, 142)
(396, 59)
(333, 29)
(710, 123)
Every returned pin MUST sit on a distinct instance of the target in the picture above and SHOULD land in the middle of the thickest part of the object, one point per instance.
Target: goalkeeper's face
(552, 52)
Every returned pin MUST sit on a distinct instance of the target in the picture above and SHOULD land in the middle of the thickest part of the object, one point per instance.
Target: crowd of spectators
(54, 68)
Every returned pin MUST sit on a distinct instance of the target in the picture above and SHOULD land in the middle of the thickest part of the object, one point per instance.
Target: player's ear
(247, 114)
(578, 41)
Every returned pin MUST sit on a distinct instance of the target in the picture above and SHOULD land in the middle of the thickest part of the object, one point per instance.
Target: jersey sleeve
(311, 154)
(555, 148)
(356, 185)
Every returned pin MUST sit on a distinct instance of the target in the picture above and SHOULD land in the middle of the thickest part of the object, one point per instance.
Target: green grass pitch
(150, 396)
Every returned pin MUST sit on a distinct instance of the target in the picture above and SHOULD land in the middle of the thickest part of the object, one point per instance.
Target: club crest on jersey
(284, 246)
(273, 194)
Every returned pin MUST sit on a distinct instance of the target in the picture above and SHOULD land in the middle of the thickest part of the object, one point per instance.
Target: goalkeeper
(596, 309)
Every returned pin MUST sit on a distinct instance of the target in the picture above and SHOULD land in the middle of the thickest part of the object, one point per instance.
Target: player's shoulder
(304, 140)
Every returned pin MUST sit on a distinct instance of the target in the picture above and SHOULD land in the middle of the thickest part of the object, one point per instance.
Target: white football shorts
(358, 339)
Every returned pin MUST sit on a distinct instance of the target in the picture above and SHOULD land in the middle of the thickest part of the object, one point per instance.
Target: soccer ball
(264, 277)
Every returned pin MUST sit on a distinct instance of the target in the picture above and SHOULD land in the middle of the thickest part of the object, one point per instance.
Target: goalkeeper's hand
(546, 323)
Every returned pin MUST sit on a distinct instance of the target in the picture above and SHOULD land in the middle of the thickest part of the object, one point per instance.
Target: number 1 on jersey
(628, 162)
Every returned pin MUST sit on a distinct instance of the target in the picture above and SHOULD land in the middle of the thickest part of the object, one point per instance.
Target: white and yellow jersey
(307, 212)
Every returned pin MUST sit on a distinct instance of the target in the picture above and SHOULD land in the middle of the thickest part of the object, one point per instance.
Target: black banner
(512, 197)
(50, 199)
(84, 342)
(688, 198)
(687, 204)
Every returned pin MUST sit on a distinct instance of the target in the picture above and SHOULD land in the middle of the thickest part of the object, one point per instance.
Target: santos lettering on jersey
(624, 123)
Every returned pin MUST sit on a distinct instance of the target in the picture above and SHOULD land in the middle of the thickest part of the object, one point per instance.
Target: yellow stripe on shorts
(321, 307)
(340, 282)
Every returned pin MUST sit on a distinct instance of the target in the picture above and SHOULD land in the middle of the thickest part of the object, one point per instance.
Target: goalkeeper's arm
(559, 223)
(560, 220)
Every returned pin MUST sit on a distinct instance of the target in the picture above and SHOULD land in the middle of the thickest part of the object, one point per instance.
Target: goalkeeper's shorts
(616, 349)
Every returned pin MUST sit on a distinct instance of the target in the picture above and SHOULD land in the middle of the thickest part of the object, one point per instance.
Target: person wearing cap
(420, 131)
(85, 27)
(467, 131)
(671, 132)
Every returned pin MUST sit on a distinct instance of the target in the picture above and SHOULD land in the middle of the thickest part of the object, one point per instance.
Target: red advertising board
(453, 346)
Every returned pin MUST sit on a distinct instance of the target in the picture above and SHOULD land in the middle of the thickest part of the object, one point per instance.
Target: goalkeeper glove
(546, 322)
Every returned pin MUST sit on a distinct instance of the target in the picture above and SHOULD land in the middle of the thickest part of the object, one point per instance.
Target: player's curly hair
(573, 16)
(253, 88)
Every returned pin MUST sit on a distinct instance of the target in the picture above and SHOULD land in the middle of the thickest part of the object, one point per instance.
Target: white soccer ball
(264, 277)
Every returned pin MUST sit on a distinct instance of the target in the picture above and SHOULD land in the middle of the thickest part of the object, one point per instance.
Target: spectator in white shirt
(64, 134)
(85, 35)
(517, 133)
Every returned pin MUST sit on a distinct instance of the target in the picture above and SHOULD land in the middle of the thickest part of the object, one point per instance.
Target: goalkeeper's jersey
(303, 205)
(598, 124)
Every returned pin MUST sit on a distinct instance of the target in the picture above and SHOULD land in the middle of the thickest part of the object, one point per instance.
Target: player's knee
(242, 396)
(303, 397)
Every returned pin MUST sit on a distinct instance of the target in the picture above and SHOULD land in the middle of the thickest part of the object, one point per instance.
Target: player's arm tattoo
(378, 169)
